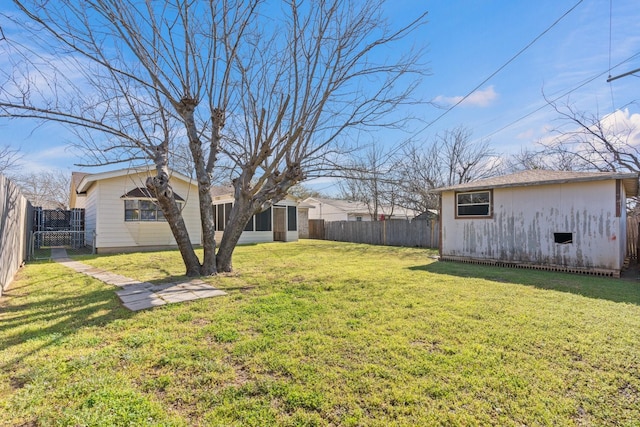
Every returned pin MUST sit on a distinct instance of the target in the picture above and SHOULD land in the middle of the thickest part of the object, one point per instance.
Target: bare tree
(420, 171)
(273, 88)
(9, 158)
(586, 141)
(451, 158)
(463, 159)
(528, 159)
(48, 189)
(302, 191)
(371, 179)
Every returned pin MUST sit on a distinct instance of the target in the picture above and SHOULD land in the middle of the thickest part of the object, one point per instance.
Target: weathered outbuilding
(572, 221)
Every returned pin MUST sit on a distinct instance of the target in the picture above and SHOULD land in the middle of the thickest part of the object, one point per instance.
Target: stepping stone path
(136, 295)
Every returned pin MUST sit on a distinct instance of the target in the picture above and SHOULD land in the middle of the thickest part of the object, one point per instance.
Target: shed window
(476, 203)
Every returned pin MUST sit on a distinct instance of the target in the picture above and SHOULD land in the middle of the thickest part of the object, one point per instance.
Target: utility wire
(501, 68)
(586, 82)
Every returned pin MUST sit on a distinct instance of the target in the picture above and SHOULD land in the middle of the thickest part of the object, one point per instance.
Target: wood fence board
(15, 225)
(422, 234)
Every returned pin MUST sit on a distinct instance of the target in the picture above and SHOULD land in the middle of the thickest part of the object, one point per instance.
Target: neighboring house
(429, 214)
(76, 201)
(572, 221)
(345, 210)
(123, 214)
(279, 223)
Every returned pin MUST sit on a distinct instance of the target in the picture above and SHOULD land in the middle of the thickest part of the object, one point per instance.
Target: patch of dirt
(17, 383)
(632, 272)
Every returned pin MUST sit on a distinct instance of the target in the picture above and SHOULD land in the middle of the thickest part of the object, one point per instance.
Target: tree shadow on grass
(48, 319)
(606, 288)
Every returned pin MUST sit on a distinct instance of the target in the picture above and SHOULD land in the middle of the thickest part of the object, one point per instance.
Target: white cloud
(479, 98)
(56, 157)
(526, 135)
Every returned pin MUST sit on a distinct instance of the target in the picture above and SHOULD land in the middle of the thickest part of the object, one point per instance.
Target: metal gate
(59, 229)
(73, 241)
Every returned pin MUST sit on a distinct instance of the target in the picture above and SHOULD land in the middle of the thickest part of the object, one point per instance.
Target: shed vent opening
(563, 238)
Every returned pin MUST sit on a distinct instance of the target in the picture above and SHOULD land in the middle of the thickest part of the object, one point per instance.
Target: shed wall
(524, 222)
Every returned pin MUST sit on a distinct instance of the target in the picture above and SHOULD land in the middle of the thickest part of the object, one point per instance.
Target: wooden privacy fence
(16, 215)
(633, 224)
(316, 229)
(417, 233)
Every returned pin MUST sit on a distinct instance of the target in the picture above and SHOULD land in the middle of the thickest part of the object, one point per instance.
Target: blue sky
(468, 41)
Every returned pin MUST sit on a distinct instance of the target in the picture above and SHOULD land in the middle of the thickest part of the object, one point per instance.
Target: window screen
(220, 217)
(263, 221)
(292, 218)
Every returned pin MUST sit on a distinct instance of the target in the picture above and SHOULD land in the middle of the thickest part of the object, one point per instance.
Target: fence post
(31, 244)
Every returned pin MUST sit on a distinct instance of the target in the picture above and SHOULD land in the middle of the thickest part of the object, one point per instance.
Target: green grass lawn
(322, 333)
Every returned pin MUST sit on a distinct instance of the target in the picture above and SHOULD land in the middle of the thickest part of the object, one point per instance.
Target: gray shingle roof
(545, 177)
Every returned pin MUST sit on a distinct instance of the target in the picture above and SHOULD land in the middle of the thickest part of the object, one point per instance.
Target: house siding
(113, 233)
(327, 212)
(90, 215)
(524, 222)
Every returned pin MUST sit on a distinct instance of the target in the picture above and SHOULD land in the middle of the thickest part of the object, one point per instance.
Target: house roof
(76, 177)
(226, 193)
(144, 193)
(87, 180)
(546, 177)
(221, 191)
(352, 207)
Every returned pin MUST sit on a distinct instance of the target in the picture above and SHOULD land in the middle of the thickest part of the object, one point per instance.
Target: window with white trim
(144, 210)
(140, 206)
(474, 203)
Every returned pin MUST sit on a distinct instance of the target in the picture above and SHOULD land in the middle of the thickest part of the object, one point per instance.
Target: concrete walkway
(136, 295)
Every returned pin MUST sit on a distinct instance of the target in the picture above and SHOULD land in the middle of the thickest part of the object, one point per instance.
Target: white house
(123, 215)
(279, 223)
(346, 210)
(572, 221)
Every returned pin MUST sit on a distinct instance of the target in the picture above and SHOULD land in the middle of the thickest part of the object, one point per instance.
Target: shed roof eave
(629, 180)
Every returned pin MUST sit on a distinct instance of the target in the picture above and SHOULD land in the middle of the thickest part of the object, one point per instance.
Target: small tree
(371, 180)
(9, 158)
(269, 89)
(49, 188)
(585, 141)
(451, 158)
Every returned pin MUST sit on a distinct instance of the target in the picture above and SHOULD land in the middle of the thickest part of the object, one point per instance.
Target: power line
(564, 94)
(501, 68)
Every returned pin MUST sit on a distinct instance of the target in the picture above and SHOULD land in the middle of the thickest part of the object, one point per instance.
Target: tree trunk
(208, 267)
(166, 199)
(186, 109)
(241, 213)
